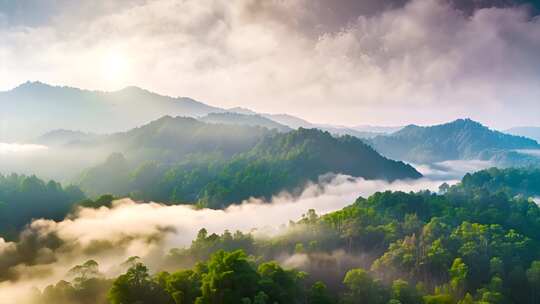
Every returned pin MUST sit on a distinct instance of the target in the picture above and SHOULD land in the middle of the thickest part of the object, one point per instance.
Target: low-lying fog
(111, 235)
(61, 164)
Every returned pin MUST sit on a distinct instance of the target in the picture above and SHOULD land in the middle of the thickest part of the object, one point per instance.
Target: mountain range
(462, 139)
(180, 159)
(35, 108)
(54, 115)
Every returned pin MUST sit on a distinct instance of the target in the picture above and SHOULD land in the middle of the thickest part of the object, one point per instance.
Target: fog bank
(111, 235)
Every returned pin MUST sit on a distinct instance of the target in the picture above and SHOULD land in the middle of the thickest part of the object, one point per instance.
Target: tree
(319, 294)
(458, 277)
(404, 293)
(229, 279)
(136, 286)
(364, 289)
(280, 285)
(533, 276)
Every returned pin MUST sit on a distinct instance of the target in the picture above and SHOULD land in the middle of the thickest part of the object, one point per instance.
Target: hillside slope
(531, 132)
(457, 140)
(183, 160)
(35, 108)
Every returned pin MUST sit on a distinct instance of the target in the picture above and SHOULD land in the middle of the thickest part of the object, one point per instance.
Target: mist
(452, 169)
(11, 148)
(49, 162)
(149, 230)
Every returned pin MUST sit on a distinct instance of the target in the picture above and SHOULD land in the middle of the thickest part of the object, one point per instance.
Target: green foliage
(460, 139)
(136, 286)
(23, 198)
(103, 201)
(319, 294)
(221, 176)
(468, 244)
(362, 288)
(87, 287)
(512, 181)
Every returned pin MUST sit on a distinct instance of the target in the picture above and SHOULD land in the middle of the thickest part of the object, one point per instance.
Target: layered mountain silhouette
(224, 163)
(35, 108)
(462, 139)
(232, 118)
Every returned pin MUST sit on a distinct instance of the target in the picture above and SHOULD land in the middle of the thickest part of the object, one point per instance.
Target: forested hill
(469, 244)
(344, 154)
(23, 198)
(173, 138)
(512, 181)
(460, 139)
(186, 161)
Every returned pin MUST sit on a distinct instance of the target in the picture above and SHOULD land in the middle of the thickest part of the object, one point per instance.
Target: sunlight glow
(115, 66)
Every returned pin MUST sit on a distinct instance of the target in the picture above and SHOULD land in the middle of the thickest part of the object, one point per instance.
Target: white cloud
(423, 62)
(13, 148)
(146, 230)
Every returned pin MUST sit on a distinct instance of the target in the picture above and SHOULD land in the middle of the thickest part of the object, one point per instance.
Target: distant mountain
(531, 132)
(457, 140)
(290, 121)
(186, 160)
(376, 129)
(244, 119)
(35, 108)
(241, 110)
(171, 139)
(340, 131)
(326, 153)
(63, 137)
(294, 122)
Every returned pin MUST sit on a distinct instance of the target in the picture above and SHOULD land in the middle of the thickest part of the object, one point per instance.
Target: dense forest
(229, 171)
(23, 198)
(470, 243)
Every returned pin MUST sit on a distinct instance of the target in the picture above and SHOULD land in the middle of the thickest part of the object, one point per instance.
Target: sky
(346, 62)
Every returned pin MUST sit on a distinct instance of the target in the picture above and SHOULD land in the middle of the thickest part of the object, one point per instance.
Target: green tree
(364, 289)
(136, 286)
(458, 277)
(229, 279)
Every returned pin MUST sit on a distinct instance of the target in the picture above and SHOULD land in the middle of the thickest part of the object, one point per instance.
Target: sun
(115, 67)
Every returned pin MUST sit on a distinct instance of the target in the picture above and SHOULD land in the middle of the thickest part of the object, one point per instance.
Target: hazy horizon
(357, 124)
(346, 62)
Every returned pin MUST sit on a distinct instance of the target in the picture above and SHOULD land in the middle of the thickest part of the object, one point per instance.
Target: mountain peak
(461, 139)
(32, 85)
(465, 121)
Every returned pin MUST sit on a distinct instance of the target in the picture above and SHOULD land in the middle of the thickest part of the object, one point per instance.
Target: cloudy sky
(349, 62)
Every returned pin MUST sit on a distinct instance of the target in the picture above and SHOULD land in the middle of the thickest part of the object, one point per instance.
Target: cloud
(12, 148)
(47, 249)
(452, 169)
(378, 62)
(530, 152)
